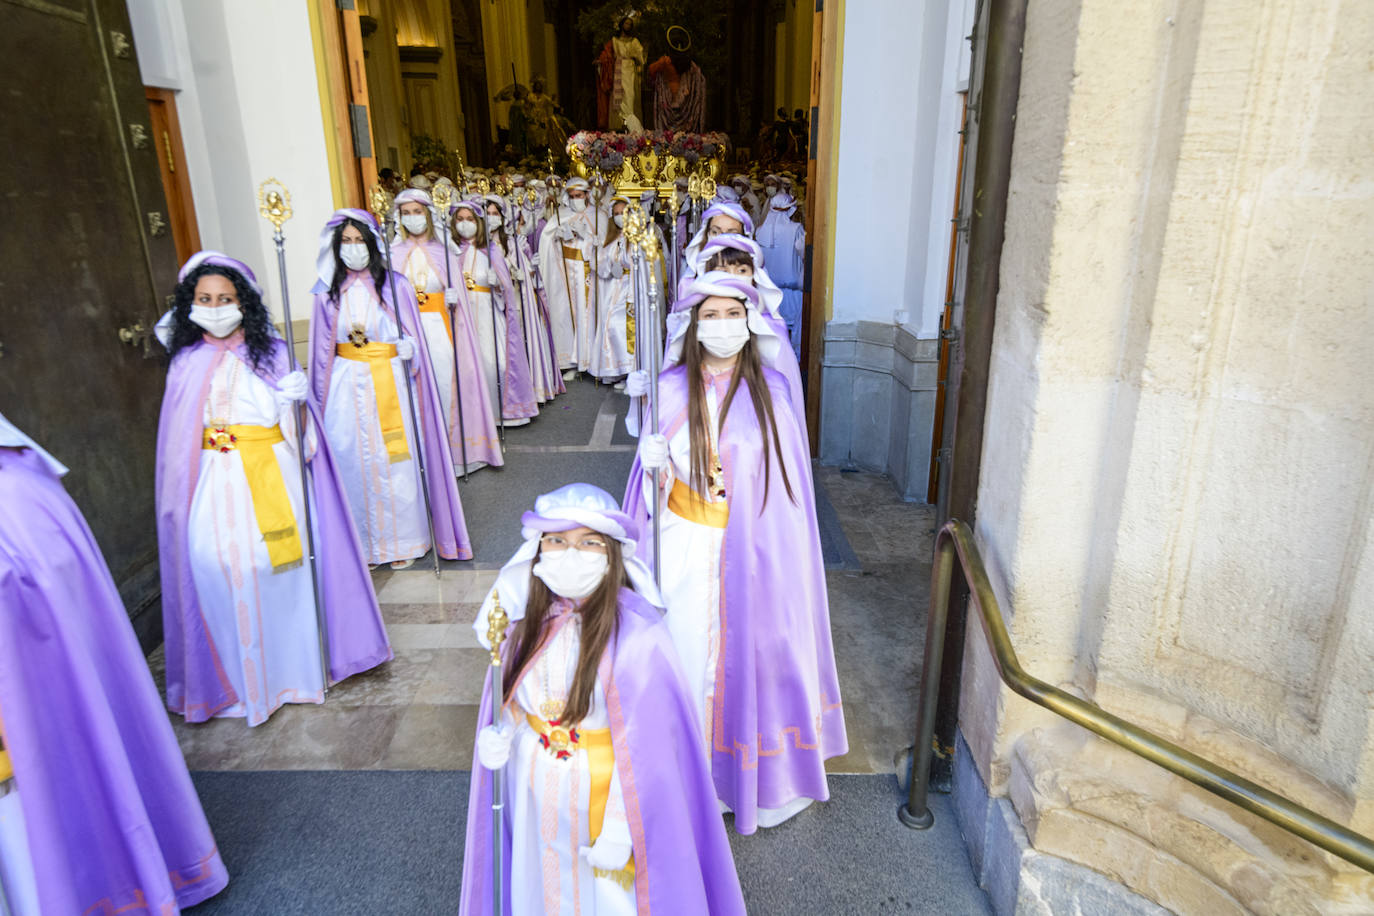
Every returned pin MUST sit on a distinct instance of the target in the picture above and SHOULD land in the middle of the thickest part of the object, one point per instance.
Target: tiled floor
(419, 711)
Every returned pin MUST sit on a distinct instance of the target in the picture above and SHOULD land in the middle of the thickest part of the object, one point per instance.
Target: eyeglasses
(590, 543)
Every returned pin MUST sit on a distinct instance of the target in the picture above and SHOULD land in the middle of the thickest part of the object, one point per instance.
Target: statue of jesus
(618, 70)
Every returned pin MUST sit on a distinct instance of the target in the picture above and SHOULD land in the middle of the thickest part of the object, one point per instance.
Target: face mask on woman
(493, 222)
(354, 255)
(466, 228)
(723, 337)
(415, 223)
(218, 321)
(571, 573)
(619, 220)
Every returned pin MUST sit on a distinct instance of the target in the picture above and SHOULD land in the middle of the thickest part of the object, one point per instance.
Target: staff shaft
(302, 415)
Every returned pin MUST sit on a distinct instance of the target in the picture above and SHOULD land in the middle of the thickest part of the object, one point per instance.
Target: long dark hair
(749, 370)
(501, 236)
(374, 263)
(729, 257)
(257, 324)
(600, 622)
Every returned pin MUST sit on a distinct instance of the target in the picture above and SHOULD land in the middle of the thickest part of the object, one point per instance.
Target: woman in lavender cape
(742, 574)
(609, 807)
(484, 286)
(361, 342)
(97, 811)
(238, 603)
(419, 254)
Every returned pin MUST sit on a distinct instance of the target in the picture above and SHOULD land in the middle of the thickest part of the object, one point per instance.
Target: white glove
(493, 746)
(606, 854)
(405, 349)
(293, 386)
(566, 233)
(637, 383)
(534, 259)
(653, 450)
(451, 296)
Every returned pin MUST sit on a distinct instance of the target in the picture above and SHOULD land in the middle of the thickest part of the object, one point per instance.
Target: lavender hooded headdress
(770, 296)
(719, 208)
(719, 283)
(324, 261)
(575, 505)
(413, 196)
(163, 329)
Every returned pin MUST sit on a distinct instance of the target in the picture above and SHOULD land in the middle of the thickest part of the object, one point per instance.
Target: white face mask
(619, 219)
(577, 203)
(354, 255)
(493, 222)
(770, 190)
(415, 223)
(466, 228)
(723, 337)
(218, 320)
(572, 573)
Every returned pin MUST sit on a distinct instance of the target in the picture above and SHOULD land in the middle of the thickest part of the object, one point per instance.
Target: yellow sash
(7, 768)
(472, 284)
(601, 760)
(686, 504)
(433, 304)
(271, 505)
(573, 254)
(378, 357)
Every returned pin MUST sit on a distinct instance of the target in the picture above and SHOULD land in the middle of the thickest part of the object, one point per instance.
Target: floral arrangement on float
(654, 159)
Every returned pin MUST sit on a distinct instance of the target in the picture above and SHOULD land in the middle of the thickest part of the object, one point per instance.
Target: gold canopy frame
(648, 171)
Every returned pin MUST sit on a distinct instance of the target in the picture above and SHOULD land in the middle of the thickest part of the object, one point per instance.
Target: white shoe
(620, 385)
(569, 375)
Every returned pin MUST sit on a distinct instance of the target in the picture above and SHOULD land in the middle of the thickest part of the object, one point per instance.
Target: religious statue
(679, 87)
(617, 81)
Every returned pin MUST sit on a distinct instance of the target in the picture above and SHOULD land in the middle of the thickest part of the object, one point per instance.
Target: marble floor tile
(220, 744)
(392, 683)
(460, 612)
(422, 635)
(455, 678)
(330, 737)
(432, 738)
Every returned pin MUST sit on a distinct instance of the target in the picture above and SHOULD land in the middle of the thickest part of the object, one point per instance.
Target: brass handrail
(955, 539)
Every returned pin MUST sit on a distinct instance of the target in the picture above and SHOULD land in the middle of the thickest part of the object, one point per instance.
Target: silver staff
(381, 208)
(496, 635)
(274, 203)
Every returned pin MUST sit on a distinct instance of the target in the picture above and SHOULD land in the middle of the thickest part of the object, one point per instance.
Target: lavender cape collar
(196, 685)
(113, 820)
(774, 727)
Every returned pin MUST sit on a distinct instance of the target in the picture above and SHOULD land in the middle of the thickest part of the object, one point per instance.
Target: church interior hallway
(411, 723)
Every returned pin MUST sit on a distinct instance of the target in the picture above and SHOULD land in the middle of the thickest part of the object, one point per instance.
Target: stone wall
(1178, 468)
(878, 402)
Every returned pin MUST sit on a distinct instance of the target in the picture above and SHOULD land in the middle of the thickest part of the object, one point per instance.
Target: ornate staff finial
(379, 202)
(497, 621)
(274, 202)
(442, 195)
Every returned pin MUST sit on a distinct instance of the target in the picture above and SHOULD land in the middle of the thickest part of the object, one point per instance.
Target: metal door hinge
(157, 224)
(949, 333)
(138, 136)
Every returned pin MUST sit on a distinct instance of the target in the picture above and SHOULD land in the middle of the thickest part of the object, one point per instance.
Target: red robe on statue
(605, 85)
